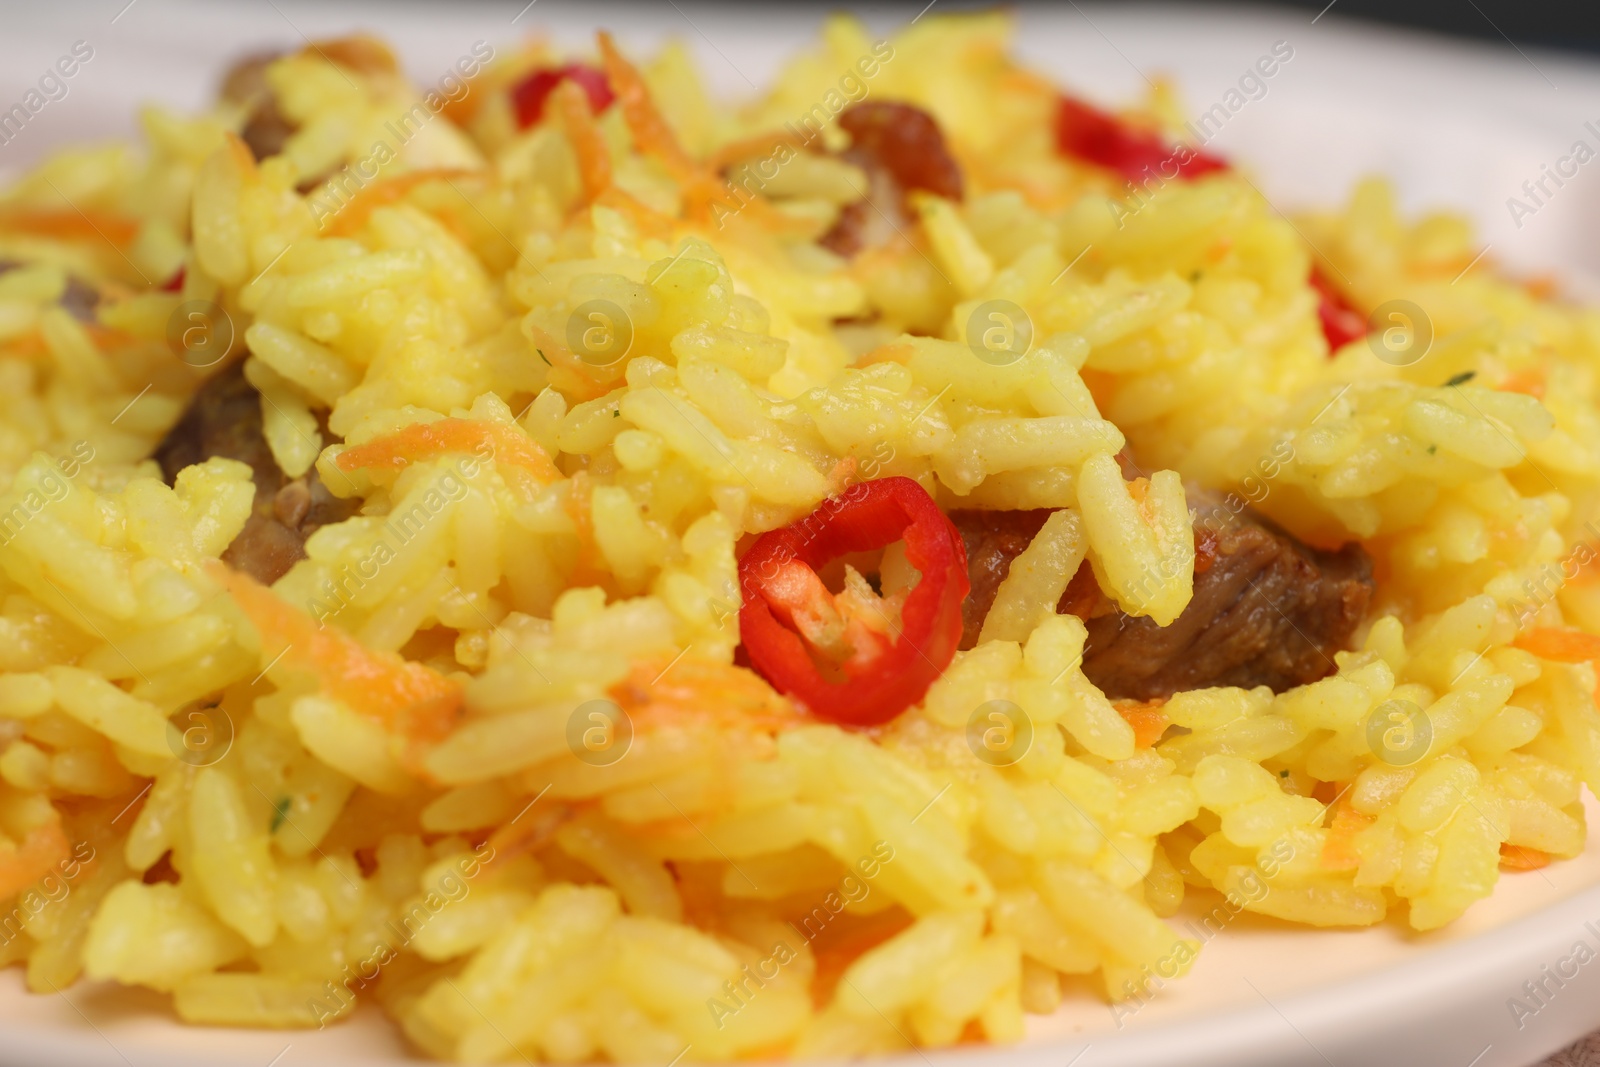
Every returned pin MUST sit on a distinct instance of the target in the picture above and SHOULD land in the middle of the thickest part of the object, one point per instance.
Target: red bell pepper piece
(528, 96)
(805, 641)
(174, 284)
(1341, 323)
(1087, 133)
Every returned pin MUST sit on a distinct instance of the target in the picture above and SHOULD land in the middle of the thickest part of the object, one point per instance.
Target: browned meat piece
(1267, 609)
(79, 299)
(224, 419)
(245, 83)
(901, 148)
(266, 129)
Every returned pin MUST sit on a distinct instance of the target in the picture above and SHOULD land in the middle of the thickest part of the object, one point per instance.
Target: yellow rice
(616, 854)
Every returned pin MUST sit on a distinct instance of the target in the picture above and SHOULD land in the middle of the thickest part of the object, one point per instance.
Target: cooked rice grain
(597, 837)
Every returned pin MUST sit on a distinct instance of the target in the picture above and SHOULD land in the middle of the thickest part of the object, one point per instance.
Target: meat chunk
(224, 419)
(266, 129)
(900, 147)
(1267, 609)
(79, 299)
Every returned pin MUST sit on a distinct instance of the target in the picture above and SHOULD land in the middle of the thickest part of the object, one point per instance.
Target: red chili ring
(868, 515)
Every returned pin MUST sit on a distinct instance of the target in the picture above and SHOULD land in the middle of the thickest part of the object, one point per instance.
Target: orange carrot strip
(412, 699)
(1530, 381)
(1339, 849)
(1560, 646)
(354, 214)
(649, 127)
(40, 851)
(837, 949)
(1523, 858)
(587, 569)
(703, 189)
(703, 696)
(72, 225)
(426, 440)
(647, 219)
(1149, 722)
(242, 156)
(762, 144)
(1542, 286)
(594, 158)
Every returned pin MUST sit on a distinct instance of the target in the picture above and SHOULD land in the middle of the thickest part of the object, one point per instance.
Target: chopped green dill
(616, 413)
(547, 363)
(1461, 379)
(280, 812)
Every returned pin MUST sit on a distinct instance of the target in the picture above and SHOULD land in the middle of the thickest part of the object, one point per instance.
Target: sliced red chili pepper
(787, 609)
(528, 96)
(1341, 323)
(174, 284)
(1087, 133)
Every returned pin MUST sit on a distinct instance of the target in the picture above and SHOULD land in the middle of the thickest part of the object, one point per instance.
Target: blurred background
(1461, 102)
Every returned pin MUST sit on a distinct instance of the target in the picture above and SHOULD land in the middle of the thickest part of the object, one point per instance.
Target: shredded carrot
(1560, 646)
(29, 345)
(899, 352)
(1587, 559)
(569, 374)
(353, 216)
(72, 225)
(704, 696)
(41, 850)
(1523, 858)
(1542, 286)
(1149, 722)
(704, 198)
(842, 474)
(669, 701)
(521, 836)
(414, 700)
(1082, 595)
(594, 158)
(704, 190)
(108, 338)
(427, 440)
(587, 569)
(651, 133)
(1327, 792)
(649, 221)
(1339, 849)
(840, 949)
(1530, 381)
(464, 108)
(243, 158)
(762, 144)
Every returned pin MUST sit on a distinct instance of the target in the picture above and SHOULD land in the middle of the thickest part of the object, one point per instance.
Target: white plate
(1454, 125)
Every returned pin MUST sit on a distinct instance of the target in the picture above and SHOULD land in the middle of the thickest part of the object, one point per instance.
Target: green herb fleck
(1461, 379)
(280, 812)
(1194, 276)
(1283, 774)
(1432, 449)
(547, 363)
(616, 413)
